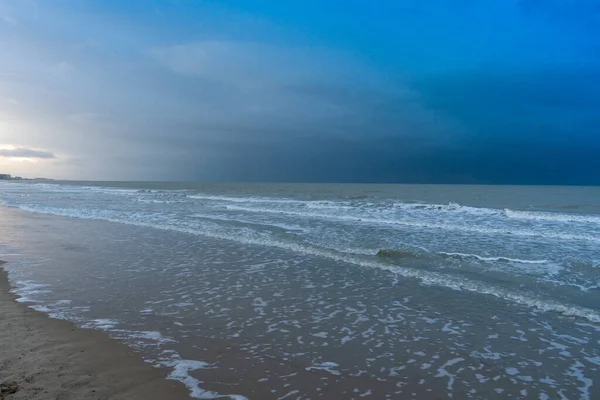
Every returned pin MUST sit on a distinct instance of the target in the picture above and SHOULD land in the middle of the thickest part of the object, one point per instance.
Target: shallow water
(325, 291)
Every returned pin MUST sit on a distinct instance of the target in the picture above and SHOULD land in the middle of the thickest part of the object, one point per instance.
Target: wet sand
(44, 358)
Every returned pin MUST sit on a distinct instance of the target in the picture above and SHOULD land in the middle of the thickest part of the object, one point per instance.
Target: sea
(323, 291)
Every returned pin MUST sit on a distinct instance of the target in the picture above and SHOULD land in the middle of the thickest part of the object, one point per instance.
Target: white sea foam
(181, 370)
(103, 324)
(551, 217)
(488, 253)
(26, 290)
(325, 366)
(350, 205)
(469, 228)
(245, 199)
(289, 394)
(410, 207)
(426, 277)
(111, 191)
(67, 316)
(287, 227)
(504, 259)
(447, 208)
(577, 371)
(594, 360)
(443, 372)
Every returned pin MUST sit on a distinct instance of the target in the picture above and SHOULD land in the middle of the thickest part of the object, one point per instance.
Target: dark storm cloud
(550, 89)
(543, 105)
(538, 126)
(393, 159)
(442, 91)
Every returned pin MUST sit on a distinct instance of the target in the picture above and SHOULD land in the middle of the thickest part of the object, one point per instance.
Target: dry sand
(44, 358)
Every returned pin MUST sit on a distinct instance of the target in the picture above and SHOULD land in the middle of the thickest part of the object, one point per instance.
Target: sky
(413, 91)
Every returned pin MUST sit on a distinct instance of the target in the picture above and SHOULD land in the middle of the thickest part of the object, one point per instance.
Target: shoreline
(43, 358)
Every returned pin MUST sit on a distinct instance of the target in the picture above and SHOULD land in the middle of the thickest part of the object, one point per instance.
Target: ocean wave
(27, 290)
(356, 203)
(351, 203)
(448, 208)
(285, 227)
(551, 217)
(425, 277)
(356, 206)
(157, 201)
(398, 254)
(409, 207)
(107, 190)
(311, 204)
(471, 228)
(231, 199)
(500, 259)
(408, 254)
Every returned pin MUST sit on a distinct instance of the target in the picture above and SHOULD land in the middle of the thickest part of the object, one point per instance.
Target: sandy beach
(44, 358)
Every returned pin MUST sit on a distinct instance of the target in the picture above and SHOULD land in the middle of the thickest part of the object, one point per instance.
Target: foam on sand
(327, 366)
(181, 371)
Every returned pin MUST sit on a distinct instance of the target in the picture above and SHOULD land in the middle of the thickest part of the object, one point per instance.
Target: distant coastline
(9, 177)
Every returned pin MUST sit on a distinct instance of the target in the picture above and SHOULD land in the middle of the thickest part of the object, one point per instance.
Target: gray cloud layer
(21, 152)
(149, 99)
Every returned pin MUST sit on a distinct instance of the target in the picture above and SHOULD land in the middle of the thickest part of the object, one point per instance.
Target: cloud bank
(448, 92)
(22, 152)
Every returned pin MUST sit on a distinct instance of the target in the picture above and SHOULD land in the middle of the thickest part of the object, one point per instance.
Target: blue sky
(440, 91)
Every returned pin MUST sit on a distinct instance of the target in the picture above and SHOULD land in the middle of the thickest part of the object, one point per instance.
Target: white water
(360, 274)
(354, 230)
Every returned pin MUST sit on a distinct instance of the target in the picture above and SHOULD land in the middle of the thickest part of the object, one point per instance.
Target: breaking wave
(425, 277)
